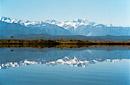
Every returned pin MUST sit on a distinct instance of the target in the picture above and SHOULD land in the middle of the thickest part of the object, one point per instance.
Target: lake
(65, 66)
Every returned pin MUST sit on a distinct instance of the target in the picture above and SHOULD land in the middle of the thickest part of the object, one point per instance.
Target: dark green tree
(11, 37)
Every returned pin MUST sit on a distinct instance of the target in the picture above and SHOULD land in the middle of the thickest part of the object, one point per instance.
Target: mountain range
(84, 27)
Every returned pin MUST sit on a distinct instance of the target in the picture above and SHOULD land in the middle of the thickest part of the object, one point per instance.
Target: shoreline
(62, 43)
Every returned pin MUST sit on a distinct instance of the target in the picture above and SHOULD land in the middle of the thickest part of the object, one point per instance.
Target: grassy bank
(60, 43)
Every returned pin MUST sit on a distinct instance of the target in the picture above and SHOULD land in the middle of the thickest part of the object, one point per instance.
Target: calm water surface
(64, 66)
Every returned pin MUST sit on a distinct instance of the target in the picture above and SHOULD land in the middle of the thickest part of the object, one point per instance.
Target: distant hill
(73, 37)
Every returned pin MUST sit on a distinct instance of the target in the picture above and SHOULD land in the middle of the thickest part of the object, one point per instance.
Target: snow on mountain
(72, 27)
(14, 27)
(65, 24)
(72, 23)
(4, 19)
(22, 22)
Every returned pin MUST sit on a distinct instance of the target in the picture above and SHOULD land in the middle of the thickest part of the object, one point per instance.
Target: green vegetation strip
(61, 43)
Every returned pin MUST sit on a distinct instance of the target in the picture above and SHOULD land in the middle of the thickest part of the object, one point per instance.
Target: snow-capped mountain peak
(51, 21)
(9, 20)
(71, 27)
(22, 22)
(72, 23)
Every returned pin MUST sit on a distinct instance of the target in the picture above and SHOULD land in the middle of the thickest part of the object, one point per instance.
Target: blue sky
(100, 11)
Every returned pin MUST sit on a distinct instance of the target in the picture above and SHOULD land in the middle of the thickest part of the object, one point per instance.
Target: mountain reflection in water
(77, 57)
